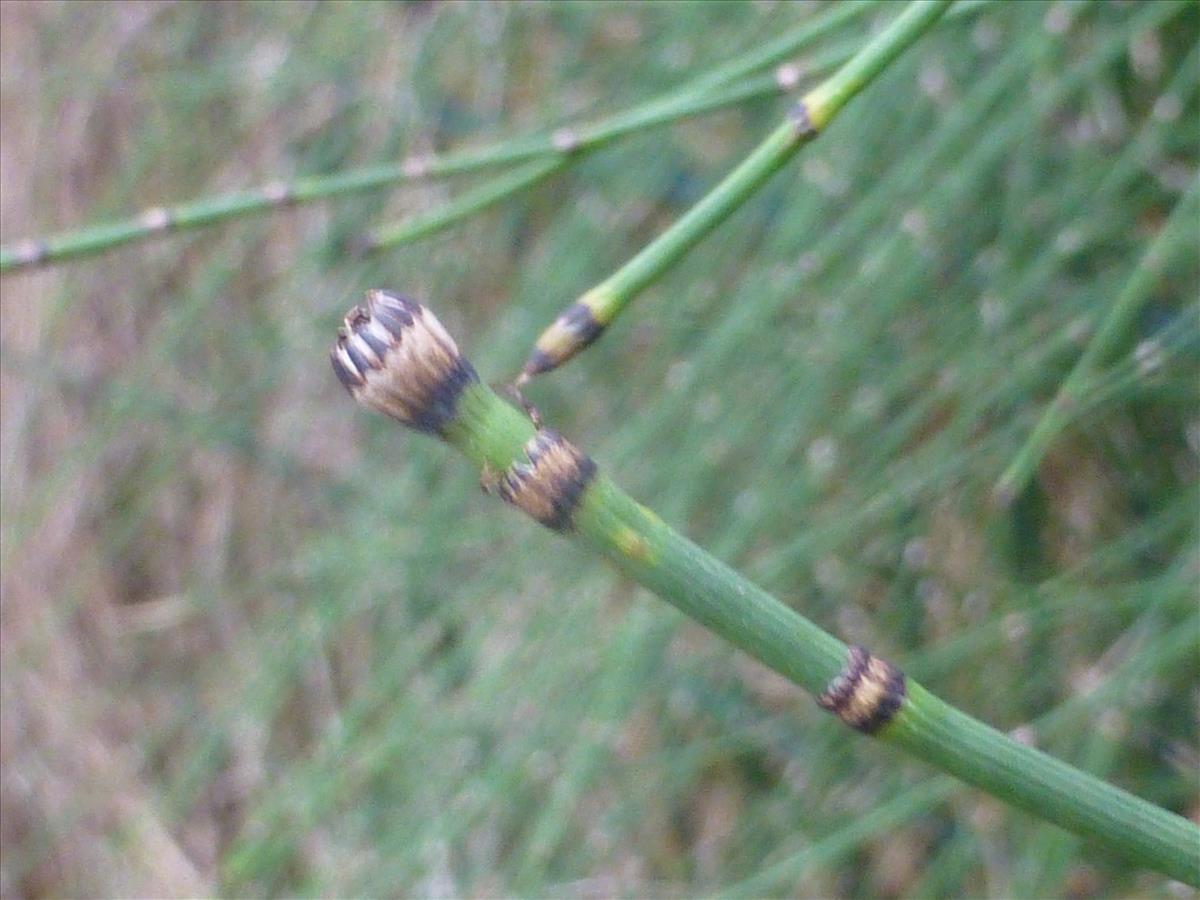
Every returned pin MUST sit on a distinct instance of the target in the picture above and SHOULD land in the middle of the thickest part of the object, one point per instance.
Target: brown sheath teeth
(395, 357)
(571, 332)
(549, 485)
(867, 693)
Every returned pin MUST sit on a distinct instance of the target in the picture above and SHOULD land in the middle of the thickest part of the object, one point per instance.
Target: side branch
(708, 92)
(585, 320)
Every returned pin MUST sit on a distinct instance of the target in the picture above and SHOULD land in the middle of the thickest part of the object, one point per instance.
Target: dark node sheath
(549, 486)
(580, 321)
(441, 403)
(867, 693)
(395, 357)
(539, 361)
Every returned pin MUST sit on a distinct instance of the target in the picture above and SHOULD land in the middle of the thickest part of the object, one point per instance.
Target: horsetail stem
(551, 152)
(585, 320)
(573, 143)
(394, 357)
(1178, 232)
(693, 98)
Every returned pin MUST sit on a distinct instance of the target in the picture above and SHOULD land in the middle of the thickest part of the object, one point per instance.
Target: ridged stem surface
(582, 323)
(493, 434)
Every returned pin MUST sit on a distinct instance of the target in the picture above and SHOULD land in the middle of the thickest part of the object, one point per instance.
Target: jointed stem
(782, 48)
(1170, 649)
(1179, 231)
(693, 98)
(572, 144)
(395, 357)
(577, 143)
(584, 321)
(492, 433)
(639, 544)
(716, 90)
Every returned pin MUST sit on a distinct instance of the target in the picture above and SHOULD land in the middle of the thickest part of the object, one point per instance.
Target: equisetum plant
(584, 321)
(538, 156)
(394, 357)
(520, 162)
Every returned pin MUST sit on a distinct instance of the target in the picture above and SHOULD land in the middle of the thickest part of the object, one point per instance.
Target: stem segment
(585, 320)
(640, 545)
(693, 98)
(396, 358)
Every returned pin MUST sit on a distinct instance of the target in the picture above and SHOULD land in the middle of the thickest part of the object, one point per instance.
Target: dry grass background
(251, 642)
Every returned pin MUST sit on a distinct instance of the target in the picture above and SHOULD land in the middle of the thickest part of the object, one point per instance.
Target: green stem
(573, 144)
(1179, 231)
(1046, 787)
(463, 206)
(588, 138)
(693, 98)
(1176, 645)
(586, 319)
(493, 435)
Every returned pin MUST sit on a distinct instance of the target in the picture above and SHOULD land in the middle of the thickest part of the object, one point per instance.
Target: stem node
(866, 694)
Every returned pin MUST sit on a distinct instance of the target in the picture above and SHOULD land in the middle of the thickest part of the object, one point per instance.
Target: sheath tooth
(550, 481)
(395, 357)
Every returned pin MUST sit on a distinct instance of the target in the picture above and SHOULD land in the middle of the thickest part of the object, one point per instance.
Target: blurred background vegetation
(255, 641)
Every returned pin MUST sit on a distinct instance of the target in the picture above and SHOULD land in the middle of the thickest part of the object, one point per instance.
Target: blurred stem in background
(691, 99)
(585, 320)
(695, 98)
(1178, 234)
(728, 85)
(467, 204)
